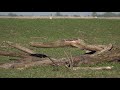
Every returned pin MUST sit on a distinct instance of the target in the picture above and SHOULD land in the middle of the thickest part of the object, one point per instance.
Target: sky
(49, 13)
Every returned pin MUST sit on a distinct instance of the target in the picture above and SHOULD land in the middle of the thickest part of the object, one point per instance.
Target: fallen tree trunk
(17, 46)
(64, 43)
(35, 61)
(97, 49)
(28, 58)
(97, 53)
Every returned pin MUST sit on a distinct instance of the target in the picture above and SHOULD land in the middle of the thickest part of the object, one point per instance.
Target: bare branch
(17, 46)
(13, 54)
(93, 68)
(73, 43)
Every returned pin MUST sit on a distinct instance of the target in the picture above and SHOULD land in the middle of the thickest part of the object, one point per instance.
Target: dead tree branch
(26, 55)
(93, 68)
(29, 58)
(74, 43)
(13, 54)
(17, 46)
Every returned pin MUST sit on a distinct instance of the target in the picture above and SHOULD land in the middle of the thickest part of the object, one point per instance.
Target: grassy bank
(93, 31)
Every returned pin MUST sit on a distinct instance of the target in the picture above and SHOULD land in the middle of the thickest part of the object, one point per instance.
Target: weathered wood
(17, 46)
(78, 60)
(29, 63)
(102, 53)
(38, 62)
(13, 54)
(73, 43)
(28, 57)
(93, 68)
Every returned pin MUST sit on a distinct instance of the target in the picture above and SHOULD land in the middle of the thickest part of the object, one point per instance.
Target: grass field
(93, 31)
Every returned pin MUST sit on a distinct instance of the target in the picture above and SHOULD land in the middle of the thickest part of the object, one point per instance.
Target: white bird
(50, 17)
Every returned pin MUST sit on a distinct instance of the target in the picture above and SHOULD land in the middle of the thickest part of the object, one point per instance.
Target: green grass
(93, 31)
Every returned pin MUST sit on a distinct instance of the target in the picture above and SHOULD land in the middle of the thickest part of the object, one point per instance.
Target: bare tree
(12, 14)
(58, 14)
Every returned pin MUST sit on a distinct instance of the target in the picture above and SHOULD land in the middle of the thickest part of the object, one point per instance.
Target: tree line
(94, 14)
(105, 14)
